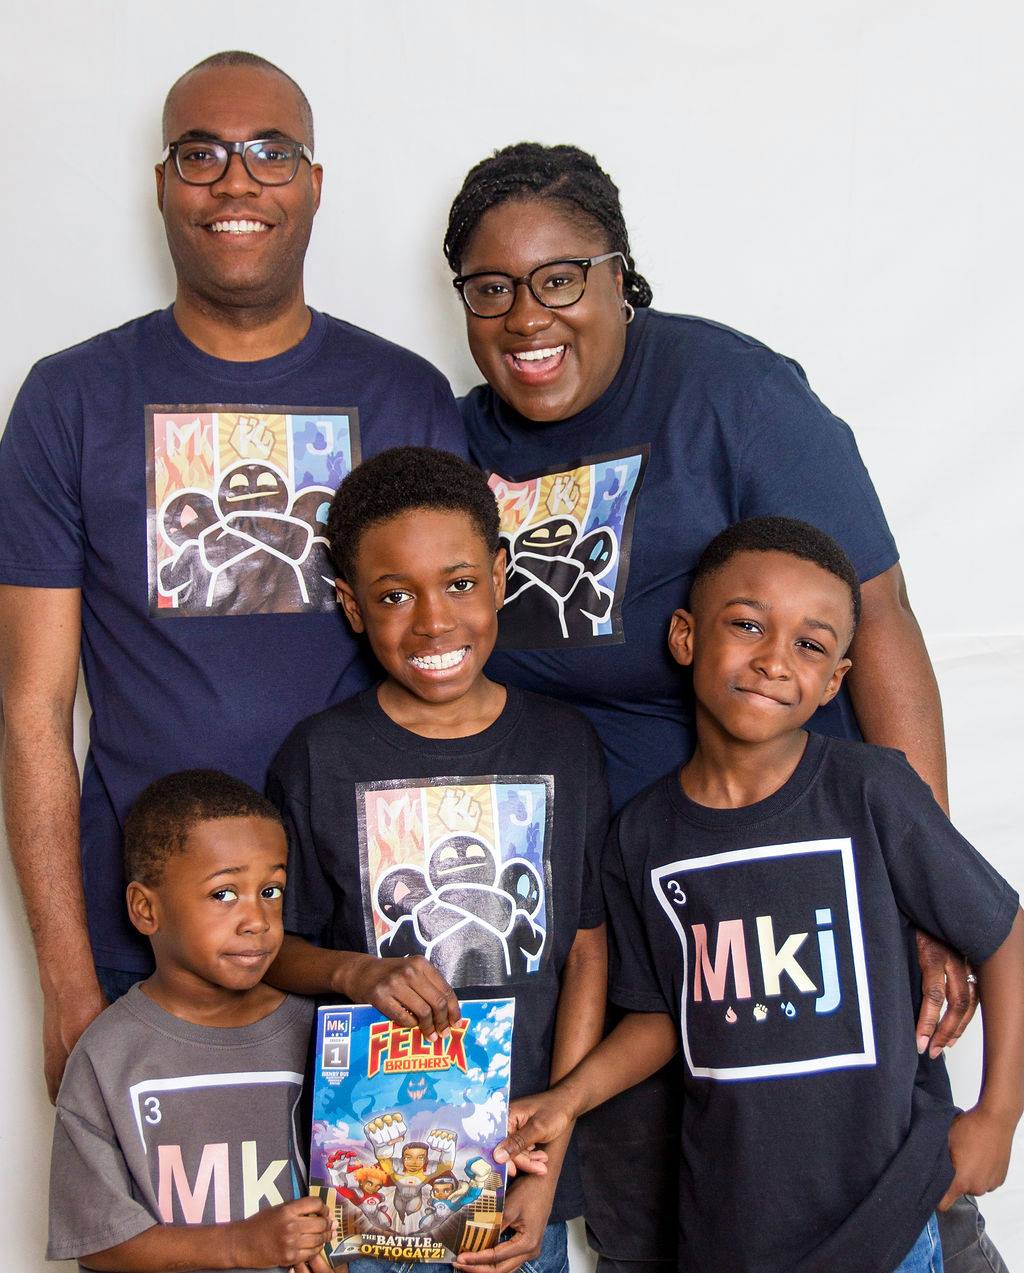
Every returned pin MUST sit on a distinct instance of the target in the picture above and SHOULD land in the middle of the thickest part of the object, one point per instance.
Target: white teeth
(438, 662)
(238, 227)
(536, 355)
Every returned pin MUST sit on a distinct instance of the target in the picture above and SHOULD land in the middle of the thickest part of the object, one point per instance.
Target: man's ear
(499, 570)
(316, 176)
(835, 680)
(680, 637)
(142, 908)
(347, 601)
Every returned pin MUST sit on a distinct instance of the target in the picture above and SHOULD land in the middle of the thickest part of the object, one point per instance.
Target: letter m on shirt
(213, 1169)
(729, 946)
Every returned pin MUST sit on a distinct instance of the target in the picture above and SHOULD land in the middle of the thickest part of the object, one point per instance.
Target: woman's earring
(630, 312)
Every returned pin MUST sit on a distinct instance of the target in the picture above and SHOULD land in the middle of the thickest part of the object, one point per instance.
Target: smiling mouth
(439, 662)
(531, 364)
(237, 227)
(247, 956)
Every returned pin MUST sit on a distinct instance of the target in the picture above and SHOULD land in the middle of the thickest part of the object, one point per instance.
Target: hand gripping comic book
(404, 1129)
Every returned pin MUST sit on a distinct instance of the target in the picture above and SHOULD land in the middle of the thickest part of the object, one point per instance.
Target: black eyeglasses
(555, 284)
(272, 161)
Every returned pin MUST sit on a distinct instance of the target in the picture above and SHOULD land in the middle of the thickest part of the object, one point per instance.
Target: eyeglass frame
(584, 262)
(235, 148)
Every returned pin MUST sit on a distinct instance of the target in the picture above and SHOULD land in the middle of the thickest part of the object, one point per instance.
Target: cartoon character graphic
(238, 500)
(257, 549)
(552, 588)
(448, 1196)
(566, 535)
(459, 875)
(417, 1087)
(419, 1162)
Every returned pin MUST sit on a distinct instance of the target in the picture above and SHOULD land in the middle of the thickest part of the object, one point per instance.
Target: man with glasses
(164, 487)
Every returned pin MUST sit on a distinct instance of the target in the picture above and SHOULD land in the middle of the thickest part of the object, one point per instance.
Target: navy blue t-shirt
(185, 495)
(606, 513)
(774, 935)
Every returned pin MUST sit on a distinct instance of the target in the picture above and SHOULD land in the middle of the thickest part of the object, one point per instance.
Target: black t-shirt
(481, 853)
(775, 936)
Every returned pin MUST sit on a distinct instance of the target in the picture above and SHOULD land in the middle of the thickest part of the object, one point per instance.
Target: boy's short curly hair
(778, 535)
(400, 480)
(160, 820)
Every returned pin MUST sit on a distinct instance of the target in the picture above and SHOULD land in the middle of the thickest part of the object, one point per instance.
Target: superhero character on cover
(419, 1162)
(360, 1184)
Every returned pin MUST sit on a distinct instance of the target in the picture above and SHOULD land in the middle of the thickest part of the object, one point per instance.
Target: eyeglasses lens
(271, 163)
(555, 285)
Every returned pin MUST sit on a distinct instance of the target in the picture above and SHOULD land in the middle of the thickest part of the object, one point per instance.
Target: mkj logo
(774, 974)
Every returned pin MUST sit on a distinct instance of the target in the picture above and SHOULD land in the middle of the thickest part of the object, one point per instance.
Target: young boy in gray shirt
(176, 1143)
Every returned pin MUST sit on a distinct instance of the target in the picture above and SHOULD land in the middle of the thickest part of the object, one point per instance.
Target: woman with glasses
(619, 441)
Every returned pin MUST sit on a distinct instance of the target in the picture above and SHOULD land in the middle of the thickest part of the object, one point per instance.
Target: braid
(563, 174)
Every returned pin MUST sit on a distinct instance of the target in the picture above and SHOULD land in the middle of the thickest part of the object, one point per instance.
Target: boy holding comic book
(445, 830)
(759, 902)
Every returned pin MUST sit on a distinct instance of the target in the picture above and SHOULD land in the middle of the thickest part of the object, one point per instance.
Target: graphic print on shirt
(459, 870)
(774, 972)
(202, 1170)
(566, 533)
(237, 506)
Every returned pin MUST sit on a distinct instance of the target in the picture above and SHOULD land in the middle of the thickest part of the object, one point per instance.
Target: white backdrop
(840, 180)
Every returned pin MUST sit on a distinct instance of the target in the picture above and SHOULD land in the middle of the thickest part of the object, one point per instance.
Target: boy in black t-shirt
(446, 831)
(765, 933)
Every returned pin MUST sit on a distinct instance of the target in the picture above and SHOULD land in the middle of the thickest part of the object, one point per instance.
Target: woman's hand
(946, 981)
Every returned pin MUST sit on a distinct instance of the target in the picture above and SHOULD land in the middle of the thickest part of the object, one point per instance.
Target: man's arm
(40, 632)
(578, 1027)
(896, 699)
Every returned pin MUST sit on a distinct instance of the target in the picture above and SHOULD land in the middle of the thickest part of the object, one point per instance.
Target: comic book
(404, 1130)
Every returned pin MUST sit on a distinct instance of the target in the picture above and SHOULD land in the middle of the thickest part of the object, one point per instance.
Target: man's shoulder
(359, 343)
(117, 342)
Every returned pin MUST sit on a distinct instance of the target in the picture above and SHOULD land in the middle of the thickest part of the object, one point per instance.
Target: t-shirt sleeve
(592, 895)
(308, 894)
(91, 1202)
(41, 533)
(940, 881)
(799, 460)
(632, 983)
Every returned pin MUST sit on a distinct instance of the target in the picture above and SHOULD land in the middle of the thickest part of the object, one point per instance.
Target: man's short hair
(160, 820)
(401, 480)
(778, 535)
(238, 57)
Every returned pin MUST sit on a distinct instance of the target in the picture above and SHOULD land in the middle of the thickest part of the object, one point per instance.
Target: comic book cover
(404, 1130)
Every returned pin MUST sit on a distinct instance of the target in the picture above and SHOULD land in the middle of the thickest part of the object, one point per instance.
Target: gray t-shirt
(160, 1120)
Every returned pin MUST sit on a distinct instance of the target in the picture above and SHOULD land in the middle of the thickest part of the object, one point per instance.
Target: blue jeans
(925, 1256)
(553, 1258)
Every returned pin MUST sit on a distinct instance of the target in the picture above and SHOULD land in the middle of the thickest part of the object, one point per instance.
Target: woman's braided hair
(563, 174)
